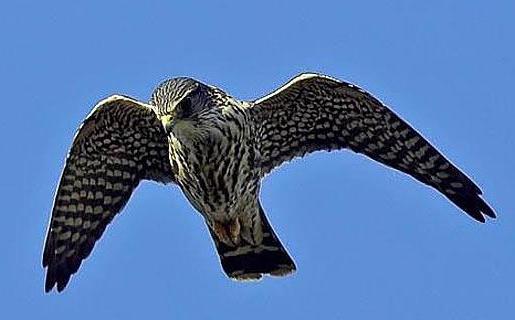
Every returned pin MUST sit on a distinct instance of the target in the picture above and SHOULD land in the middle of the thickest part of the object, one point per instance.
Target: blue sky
(369, 243)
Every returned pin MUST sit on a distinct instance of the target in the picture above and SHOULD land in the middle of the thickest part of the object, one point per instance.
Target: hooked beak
(168, 122)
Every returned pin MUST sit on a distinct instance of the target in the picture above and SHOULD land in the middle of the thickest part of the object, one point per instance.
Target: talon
(234, 231)
(221, 233)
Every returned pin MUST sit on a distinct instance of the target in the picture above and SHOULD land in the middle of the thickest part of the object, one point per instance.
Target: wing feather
(120, 143)
(314, 112)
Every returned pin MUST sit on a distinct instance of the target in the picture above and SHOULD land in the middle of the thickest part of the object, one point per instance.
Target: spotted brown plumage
(314, 112)
(120, 143)
(217, 149)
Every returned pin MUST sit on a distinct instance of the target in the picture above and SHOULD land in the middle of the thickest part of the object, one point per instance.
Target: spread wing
(119, 144)
(314, 112)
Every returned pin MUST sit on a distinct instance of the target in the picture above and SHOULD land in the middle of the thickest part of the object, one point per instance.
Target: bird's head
(181, 102)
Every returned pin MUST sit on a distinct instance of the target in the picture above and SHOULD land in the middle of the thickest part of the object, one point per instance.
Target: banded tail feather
(251, 262)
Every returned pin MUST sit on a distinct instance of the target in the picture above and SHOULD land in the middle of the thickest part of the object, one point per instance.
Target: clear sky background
(369, 243)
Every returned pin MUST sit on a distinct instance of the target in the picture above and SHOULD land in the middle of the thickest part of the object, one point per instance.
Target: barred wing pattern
(120, 143)
(314, 112)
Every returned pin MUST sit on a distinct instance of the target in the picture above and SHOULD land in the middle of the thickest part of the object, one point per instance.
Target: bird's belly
(221, 185)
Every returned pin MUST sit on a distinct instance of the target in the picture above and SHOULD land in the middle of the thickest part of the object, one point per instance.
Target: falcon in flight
(217, 149)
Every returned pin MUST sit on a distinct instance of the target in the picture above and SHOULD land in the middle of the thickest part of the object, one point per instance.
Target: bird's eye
(185, 107)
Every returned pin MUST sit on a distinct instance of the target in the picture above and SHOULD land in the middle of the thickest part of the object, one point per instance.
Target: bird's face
(183, 104)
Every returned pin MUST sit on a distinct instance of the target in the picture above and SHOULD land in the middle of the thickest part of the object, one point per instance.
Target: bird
(217, 149)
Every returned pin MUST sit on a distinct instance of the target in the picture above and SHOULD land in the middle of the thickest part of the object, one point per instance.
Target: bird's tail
(251, 262)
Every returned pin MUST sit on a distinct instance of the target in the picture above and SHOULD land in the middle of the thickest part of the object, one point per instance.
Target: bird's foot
(234, 231)
(228, 232)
